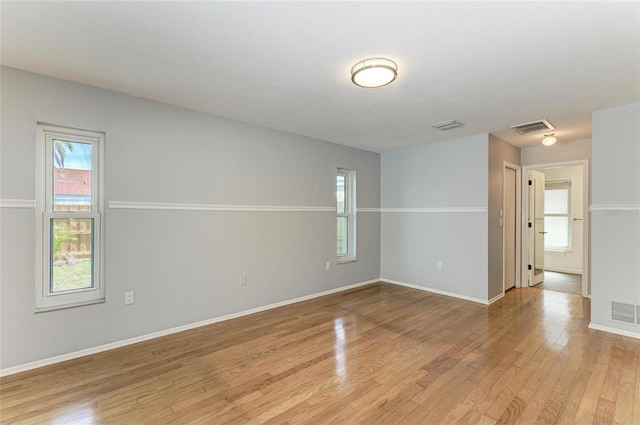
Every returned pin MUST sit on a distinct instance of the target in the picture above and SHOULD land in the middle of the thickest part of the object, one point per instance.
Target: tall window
(69, 217)
(557, 215)
(346, 215)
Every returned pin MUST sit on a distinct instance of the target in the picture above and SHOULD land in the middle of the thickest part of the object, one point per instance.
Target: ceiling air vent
(446, 125)
(533, 127)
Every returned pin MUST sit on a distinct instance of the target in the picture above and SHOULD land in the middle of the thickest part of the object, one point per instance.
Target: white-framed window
(69, 217)
(346, 215)
(557, 215)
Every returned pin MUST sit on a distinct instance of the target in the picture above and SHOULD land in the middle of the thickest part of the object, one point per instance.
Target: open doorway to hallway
(556, 227)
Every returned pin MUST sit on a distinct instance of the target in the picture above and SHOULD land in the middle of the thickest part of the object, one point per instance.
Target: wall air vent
(532, 127)
(447, 125)
(623, 312)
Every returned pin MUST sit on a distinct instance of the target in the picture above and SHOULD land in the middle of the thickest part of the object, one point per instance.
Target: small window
(346, 215)
(557, 215)
(69, 218)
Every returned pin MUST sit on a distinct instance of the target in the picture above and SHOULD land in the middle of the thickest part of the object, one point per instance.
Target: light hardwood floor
(379, 354)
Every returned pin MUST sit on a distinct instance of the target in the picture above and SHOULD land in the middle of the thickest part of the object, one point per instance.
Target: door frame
(518, 255)
(586, 185)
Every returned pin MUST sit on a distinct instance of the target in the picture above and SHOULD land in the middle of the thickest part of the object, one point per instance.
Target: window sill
(66, 306)
(568, 250)
(350, 260)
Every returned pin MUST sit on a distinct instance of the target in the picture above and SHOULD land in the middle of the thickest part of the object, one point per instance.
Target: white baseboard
(439, 292)
(496, 298)
(614, 331)
(153, 335)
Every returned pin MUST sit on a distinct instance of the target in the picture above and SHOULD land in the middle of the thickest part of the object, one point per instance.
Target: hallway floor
(562, 282)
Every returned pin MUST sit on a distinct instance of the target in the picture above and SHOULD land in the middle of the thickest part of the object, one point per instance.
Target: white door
(510, 221)
(536, 227)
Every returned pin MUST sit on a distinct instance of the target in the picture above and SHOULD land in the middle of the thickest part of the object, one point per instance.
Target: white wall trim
(153, 335)
(436, 210)
(614, 207)
(614, 331)
(208, 207)
(439, 292)
(279, 208)
(17, 203)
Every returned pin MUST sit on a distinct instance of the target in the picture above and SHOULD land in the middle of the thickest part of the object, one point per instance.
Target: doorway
(509, 218)
(556, 246)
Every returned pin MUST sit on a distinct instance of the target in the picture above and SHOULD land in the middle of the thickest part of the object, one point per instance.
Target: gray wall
(447, 175)
(615, 233)
(184, 266)
(499, 152)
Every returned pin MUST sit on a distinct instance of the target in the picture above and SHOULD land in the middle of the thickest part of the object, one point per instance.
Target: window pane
(71, 176)
(340, 194)
(71, 254)
(557, 229)
(556, 201)
(343, 238)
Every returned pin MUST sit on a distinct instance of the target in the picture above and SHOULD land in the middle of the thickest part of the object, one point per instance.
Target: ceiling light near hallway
(549, 140)
(374, 72)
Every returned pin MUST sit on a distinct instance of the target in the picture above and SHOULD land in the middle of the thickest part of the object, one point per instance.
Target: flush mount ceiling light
(549, 140)
(374, 72)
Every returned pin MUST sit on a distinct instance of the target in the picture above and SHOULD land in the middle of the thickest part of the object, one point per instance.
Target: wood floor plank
(507, 396)
(604, 412)
(398, 405)
(539, 387)
(398, 415)
(442, 402)
(612, 376)
(623, 412)
(590, 399)
(378, 354)
(457, 412)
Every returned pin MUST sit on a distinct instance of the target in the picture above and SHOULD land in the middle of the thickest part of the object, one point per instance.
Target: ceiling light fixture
(549, 139)
(374, 72)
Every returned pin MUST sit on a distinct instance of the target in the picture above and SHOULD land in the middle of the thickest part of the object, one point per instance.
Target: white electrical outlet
(439, 265)
(328, 265)
(129, 297)
(243, 279)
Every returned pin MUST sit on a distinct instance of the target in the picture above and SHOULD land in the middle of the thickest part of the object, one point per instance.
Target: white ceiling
(285, 65)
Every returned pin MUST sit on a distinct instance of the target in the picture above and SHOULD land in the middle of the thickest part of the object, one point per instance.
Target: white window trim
(562, 184)
(350, 214)
(45, 300)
